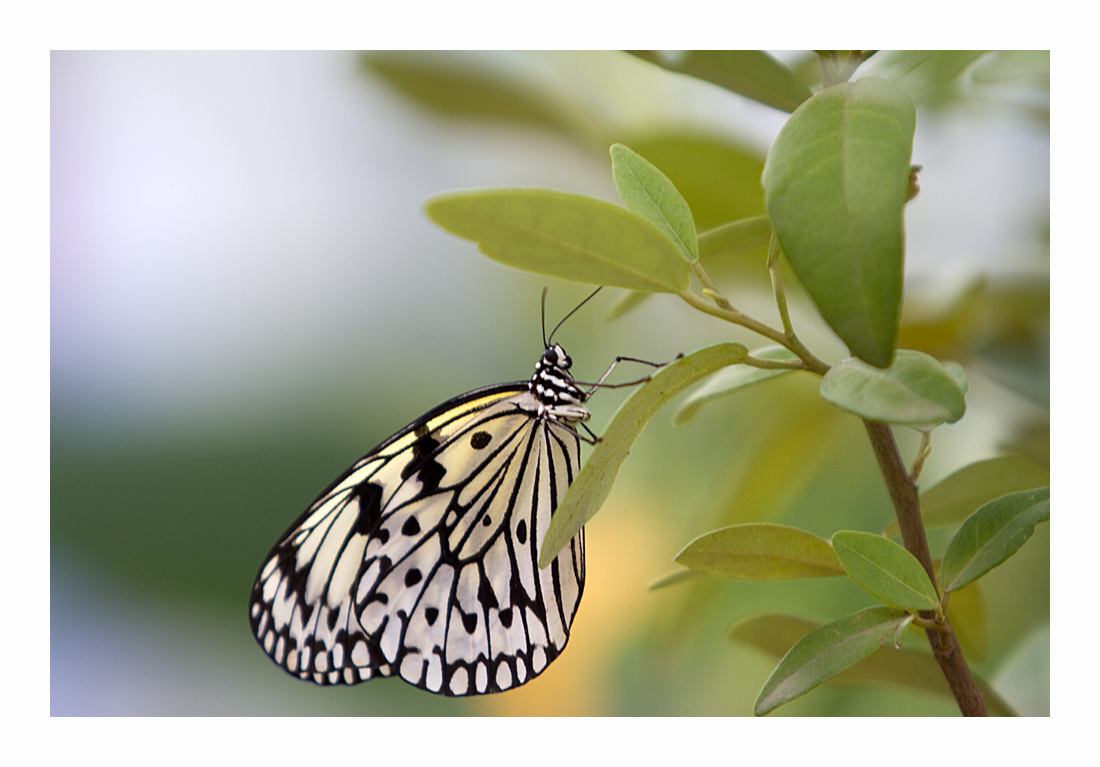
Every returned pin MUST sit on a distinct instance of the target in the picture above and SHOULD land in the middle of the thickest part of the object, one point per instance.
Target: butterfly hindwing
(420, 560)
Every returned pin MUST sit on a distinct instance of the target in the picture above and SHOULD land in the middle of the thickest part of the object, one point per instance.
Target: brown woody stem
(903, 493)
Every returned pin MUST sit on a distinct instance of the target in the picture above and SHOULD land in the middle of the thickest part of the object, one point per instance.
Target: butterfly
(420, 560)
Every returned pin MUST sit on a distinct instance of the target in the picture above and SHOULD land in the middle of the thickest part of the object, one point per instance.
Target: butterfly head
(555, 357)
(552, 383)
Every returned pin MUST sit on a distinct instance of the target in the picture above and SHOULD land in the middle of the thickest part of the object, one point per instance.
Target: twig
(903, 493)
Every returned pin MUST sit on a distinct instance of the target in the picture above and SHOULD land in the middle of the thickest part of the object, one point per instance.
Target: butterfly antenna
(544, 344)
(563, 319)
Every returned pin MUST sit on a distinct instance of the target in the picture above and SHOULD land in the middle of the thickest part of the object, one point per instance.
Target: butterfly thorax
(553, 386)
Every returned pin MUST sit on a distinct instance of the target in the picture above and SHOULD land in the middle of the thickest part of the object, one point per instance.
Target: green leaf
(966, 610)
(776, 634)
(927, 76)
(753, 74)
(444, 85)
(885, 570)
(1019, 68)
(835, 183)
(826, 651)
(958, 373)
(650, 194)
(680, 576)
(992, 534)
(734, 238)
(732, 379)
(593, 484)
(627, 302)
(693, 162)
(915, 390)
(564, 235)
(958, 495)
(759, 551)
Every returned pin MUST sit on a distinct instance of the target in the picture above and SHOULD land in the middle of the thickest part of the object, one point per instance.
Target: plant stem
(903, 493)
(732, 315)
(723, 309)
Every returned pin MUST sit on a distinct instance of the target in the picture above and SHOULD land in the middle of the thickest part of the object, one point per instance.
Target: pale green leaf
(564, 235)
(732, 379)
(734, 238)
(992, 534)
(753, 74)
(593, 484)
(693, 161)
(672, 579)
(835, 183)
(451, 87)
(927, 76)
(759, 551)
(885, 570)
(827, 651)
(776, 634)
(627, 302)
(914, 390)
(960, 494)
(958, 373)
(650, 194)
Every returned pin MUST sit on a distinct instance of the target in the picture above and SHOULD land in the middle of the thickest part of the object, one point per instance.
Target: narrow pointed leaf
(650, 194)
(564, 235)
(992, 534)
(627, 302)
(760, 551)
(827, 651)
(753, 74)
(692, 161)
(672, 579)
(914, 390)
(593, 484)
(732, 379)
(885, 570)
(776, 634)
(836, 182)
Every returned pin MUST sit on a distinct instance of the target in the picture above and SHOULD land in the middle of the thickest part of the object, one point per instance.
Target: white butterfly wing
(421, 559)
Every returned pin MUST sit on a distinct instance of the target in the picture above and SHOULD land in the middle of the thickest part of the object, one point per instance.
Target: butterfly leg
(600, 382)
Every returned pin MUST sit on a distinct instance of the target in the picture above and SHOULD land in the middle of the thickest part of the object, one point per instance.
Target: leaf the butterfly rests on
(419, 561)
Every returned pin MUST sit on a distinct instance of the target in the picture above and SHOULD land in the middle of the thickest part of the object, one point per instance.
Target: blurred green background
(245, 297)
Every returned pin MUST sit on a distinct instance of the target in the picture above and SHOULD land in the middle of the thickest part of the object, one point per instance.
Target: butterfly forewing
(420, 560)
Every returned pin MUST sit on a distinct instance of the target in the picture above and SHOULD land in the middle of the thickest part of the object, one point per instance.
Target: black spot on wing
(423, 463)
(411, 526)
(430, 615)
(480, 439)
(521, 531)
(369, 496)
(412, 577)
(485, 594)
